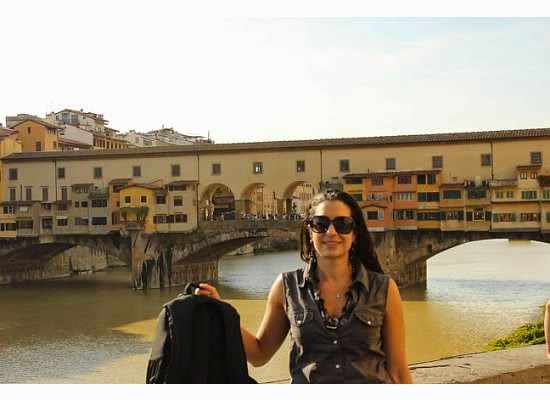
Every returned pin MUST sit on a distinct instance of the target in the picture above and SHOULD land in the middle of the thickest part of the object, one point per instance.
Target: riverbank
(525, 335)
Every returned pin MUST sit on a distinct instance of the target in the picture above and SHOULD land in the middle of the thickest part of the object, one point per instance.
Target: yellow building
(8, 144)
(37, 135)
(155, 207)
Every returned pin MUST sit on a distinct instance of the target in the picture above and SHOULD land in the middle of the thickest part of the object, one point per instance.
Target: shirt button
(335, 342)
(337, 366)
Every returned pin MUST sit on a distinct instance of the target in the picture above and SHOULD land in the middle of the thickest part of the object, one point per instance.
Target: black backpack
(198, 340)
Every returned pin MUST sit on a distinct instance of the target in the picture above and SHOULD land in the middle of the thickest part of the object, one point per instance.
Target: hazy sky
(253, 79)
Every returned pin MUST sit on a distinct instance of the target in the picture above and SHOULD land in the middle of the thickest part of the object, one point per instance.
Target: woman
(344, 315)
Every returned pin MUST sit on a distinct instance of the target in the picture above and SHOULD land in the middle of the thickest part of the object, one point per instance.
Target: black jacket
(198, 340)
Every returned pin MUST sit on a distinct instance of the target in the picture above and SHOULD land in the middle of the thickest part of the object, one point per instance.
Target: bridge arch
(216, 200)
(297, 195)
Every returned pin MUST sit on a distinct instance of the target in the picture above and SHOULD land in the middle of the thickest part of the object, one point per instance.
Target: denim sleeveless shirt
(352, 353)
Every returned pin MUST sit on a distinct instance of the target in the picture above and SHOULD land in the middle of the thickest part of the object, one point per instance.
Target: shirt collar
(361, 277)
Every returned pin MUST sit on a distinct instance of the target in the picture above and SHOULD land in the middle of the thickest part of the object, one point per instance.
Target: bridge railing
(251, 224)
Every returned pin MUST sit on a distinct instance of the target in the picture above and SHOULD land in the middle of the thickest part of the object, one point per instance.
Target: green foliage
(525, 335)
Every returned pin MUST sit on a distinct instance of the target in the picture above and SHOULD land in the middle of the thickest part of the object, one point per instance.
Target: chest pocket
(367, 329)
(302, 325)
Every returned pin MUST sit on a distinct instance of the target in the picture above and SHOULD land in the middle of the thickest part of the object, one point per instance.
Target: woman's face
(332, 244)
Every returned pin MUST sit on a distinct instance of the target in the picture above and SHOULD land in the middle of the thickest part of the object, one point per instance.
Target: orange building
(35, 134)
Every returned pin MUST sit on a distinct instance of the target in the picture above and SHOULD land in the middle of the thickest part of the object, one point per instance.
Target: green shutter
(487, 215)
(461, 215)
(468, 215)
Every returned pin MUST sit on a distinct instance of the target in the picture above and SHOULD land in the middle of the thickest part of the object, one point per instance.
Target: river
(94, 329)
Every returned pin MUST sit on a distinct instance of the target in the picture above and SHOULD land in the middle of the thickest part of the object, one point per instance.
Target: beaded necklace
(329, 321)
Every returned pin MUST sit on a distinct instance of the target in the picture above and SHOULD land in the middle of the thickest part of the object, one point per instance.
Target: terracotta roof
(74, 143)
(39, 121)
(143, 185)
(120, 180)
(316, 144)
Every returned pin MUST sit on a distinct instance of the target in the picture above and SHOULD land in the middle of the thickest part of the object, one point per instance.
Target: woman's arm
(394, 337)
(547, 328)
(261, 347)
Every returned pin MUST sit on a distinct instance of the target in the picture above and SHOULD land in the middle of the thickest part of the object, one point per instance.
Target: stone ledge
(521, 365)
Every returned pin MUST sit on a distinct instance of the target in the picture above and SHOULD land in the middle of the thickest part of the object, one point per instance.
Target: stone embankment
(521, 365)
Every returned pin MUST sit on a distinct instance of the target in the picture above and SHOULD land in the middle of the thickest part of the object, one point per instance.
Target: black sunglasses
(321, 223)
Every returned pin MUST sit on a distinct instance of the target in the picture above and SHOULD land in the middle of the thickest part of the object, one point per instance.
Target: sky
(257, 75)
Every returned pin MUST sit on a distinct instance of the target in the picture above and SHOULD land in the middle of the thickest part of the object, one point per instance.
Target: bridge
(170, 259)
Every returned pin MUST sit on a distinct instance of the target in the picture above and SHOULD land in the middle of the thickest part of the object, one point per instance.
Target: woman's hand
(205, 289)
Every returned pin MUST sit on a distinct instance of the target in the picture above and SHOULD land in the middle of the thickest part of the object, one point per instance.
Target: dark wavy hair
(364, 246)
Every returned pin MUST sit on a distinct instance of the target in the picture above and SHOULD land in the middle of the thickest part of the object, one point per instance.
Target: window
(546, 194)
(300, 166)
(178, 201)
(9, 209)
(143, 199)
(428, 196)
(390, 163)
(127, 199)
(216, 169)
(64, 193)
(28, 193)
(62, 221)
(421, 179)
(357, 196)
(376, 196)
(437, 162)
(428, 216)
(177, 187)
(181, 218)
(372, 215)
(47, 223)
(529, 217)
(404, 179)
(136, 171)
(452, 194)
(431, 179)
(176, 170)
(81, 221)
(160, 199)
(12, 194)
(509, 194)
(76, 204)
(159, 219)
(499, 195)
(25, 224)
(84, 204)
(486, 160)
(405, 196)
(99, 203)
(99, 221)
(13, 174)
(61, 173)
(344, 165)
(38, 146)
(452, 215)
(523, 175)
(403, 214)
(479, 214)
(28, 129)
(504, 217)
(258, 167)
(529, 195)
(536, 157)
(377, 181)
(62, 207)
(548, 216)
(98, 172)
(47, 206)
(45, 194)
(533, 175)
